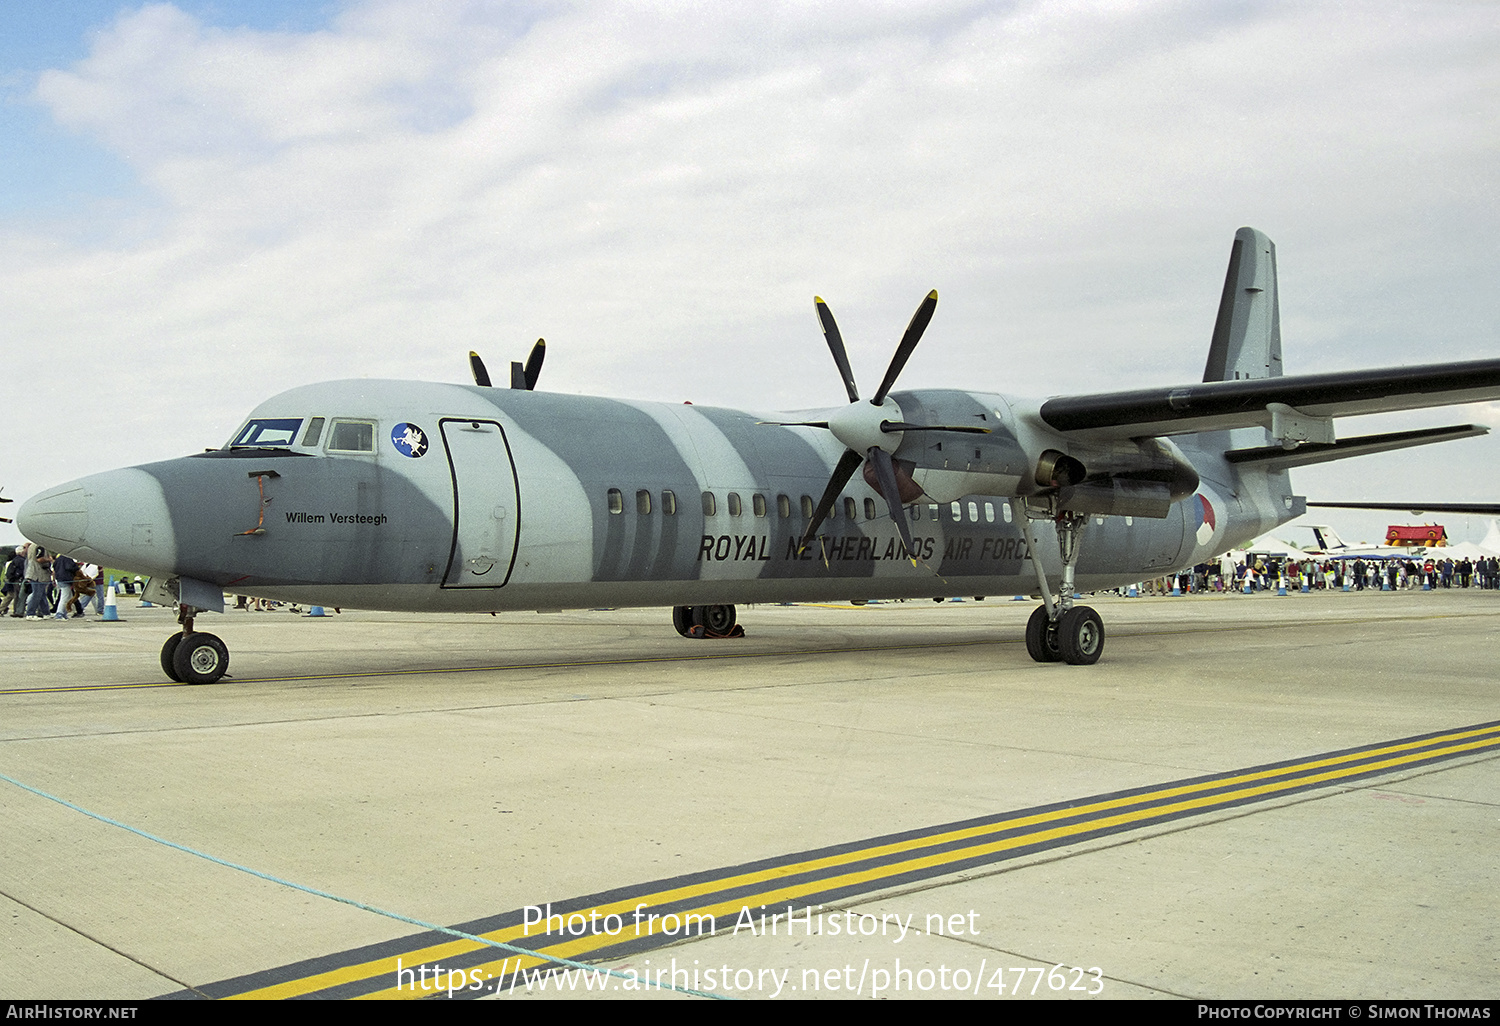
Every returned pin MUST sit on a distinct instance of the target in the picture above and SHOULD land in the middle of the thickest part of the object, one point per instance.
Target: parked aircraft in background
(417, 496)
(1328, 544)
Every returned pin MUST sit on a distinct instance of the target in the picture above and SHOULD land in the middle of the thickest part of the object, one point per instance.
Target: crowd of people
(39, 585)
(1389, 574)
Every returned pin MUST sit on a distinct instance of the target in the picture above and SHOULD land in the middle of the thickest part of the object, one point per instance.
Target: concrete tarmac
(452, 768)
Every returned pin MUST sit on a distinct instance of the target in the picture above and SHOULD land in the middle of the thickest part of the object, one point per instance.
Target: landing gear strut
(1059, 630)
(705, 621)
(193, 657)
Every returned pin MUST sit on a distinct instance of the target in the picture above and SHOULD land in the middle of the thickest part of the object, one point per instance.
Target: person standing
(64, 570)
(15, 584)
(38, 576)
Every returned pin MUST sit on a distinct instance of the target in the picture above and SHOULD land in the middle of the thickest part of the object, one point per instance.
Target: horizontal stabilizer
(1221, 405)
(1416, 509)
(1274, 457)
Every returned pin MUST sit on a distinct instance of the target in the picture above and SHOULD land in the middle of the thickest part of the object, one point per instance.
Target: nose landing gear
(194, 657)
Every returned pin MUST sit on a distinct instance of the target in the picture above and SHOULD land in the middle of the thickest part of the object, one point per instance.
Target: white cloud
(660, 189)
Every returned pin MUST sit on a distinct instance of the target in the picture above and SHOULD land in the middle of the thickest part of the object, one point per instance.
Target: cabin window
(735, 508)
(265, 434)
(869, 509)
(851, 509)
(314, 431)
(759, 503)
(669, 504)
(1129, 521)
(932, 511)
(351, 436)
(973, 512)
(808, 509)
(916, 512)
(957, 511)
(1005, 512)
(989, 512)
(783, 507)
(709, 506)
(643, 502)
(616, 501)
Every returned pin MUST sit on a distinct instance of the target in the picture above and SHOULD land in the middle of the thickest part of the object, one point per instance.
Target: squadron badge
(409, 440)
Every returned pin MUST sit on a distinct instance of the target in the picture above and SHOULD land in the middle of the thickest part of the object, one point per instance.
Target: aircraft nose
(117, 519)
(57, 518)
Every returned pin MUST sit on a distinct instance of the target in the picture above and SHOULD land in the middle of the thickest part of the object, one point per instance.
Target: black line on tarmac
(153, 970)
(1277, 779)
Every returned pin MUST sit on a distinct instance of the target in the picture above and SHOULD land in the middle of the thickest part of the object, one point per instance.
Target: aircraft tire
(169, 650)
(200, 658)
(717, 619)
(1041, 637)
(1080, 636)
(682, 619)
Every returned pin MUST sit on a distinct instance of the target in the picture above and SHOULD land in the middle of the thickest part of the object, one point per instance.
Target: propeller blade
(885, 470)
(891, 427)
(836, 346)
(534, 363)
(848, 464)
(481, 376)
(919, 322)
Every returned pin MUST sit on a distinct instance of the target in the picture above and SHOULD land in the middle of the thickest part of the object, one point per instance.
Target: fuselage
(420, 496)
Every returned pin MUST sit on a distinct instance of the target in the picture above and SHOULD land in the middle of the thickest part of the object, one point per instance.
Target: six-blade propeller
(870, 431)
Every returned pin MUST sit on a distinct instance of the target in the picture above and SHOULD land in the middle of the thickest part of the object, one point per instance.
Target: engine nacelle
(1115, 496)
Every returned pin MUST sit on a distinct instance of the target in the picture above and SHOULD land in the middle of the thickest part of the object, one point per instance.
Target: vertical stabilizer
(1247, 334)
(1328, 539)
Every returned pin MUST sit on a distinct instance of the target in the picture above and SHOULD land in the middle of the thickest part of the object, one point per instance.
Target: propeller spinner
(871, 431)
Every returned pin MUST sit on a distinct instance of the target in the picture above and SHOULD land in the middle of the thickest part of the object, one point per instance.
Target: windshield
(263, 434)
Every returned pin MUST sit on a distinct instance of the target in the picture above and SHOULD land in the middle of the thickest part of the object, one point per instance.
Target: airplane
(1330, 545)
(400, 495)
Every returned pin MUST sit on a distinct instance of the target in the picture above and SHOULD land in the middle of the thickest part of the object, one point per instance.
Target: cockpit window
(314, 430)
(351, 436)
(266, 434)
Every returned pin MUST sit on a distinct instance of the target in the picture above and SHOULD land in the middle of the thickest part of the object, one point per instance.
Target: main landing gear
(706, 622)
(193, 657)
(1059, 631)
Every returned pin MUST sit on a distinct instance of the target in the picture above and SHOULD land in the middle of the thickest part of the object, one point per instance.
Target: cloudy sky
(207, 202)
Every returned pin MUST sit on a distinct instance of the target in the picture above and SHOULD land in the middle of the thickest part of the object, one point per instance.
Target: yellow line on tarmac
(901, 857)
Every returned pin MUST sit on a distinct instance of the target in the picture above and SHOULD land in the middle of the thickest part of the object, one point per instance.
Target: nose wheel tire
(1080, 636)
(1041, 637)
(200, 658)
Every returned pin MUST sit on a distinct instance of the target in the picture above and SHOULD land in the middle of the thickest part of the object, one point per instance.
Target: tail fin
(1328, 539)
(1247, 334)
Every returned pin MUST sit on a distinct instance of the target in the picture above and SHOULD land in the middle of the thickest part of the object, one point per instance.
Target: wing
(1296, 402)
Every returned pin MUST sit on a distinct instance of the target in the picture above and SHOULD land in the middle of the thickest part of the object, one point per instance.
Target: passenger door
(486, 504)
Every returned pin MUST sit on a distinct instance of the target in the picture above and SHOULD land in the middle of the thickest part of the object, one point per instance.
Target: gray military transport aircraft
(404, 495)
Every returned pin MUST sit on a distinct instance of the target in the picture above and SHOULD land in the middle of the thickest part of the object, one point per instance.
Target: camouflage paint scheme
(508, 506)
